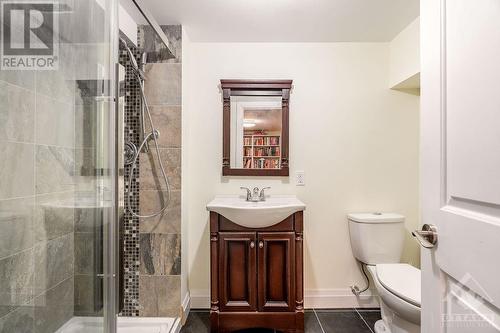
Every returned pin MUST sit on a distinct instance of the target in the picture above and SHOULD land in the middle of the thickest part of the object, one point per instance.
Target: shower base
(124, 325)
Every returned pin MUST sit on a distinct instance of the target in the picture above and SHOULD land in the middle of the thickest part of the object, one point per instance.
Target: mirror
(255, 132)
(255, 128)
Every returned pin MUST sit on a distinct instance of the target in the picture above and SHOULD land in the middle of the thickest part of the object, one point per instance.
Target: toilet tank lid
(376, 217)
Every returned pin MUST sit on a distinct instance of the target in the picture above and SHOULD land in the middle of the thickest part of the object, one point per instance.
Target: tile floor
(316, 321)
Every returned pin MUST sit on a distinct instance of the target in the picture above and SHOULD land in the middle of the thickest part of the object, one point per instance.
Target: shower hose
(154, 135)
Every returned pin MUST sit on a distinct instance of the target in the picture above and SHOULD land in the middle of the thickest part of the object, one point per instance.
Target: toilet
(377, 241)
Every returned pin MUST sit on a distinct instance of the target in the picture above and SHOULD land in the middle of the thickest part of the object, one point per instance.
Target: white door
(460, 101)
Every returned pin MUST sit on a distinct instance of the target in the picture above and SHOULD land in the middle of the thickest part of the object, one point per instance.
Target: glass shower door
(58, 156)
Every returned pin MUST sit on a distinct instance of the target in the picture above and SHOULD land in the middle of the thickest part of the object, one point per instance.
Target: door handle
(427, 237)
(261, 244)
(252, 245)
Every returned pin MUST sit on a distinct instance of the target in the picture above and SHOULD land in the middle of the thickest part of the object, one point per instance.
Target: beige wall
(404, 57)
(356, 140)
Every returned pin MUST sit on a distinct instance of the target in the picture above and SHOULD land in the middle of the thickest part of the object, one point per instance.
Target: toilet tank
(377, 238)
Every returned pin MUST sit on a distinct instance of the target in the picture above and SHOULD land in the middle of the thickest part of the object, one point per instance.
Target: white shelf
(265, 146)
(264, 156)
(260, 136)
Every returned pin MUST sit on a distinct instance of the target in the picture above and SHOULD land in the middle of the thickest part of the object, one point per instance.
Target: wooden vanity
(256, 275)
(256, 240)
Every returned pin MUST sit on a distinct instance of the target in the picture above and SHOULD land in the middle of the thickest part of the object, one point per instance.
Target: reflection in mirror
(256, 130)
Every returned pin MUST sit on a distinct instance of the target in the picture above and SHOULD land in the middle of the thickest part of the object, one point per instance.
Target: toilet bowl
(377, 242)
(398, 286)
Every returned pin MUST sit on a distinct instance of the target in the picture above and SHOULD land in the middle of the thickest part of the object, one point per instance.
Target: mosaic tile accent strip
(130, 225)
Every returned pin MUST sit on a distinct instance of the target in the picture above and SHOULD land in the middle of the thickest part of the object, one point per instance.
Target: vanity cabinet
(256, 275)
(276, 267)
(237, 268)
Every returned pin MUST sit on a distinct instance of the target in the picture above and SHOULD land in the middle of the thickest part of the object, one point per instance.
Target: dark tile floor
(316, 321)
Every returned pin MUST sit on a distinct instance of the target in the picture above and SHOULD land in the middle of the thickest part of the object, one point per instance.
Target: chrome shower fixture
(131, 151)
(138, 71)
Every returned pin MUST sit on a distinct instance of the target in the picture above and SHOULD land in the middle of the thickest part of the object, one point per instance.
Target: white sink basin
(256, 214)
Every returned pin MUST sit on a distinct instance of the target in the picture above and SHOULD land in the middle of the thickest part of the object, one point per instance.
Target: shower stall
(62, 176)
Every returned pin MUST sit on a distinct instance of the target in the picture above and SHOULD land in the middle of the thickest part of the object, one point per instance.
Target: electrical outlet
(300, 178)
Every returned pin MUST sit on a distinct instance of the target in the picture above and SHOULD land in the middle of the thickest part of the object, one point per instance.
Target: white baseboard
(186, 303)
(339, 299)
(313, 299)
(176, 328)
(200, 299)
(186, 307)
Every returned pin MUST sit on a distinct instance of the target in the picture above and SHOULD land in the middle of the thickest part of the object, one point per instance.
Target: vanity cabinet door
(237, 271)
(276, 271)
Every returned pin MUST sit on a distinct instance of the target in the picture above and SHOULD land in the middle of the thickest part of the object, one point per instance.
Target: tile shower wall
(152, 246)
(36, 172)
(160, 241)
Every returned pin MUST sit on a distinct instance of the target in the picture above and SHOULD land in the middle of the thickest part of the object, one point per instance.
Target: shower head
(131, 56)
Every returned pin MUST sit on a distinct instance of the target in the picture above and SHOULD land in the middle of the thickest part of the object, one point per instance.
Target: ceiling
(284, 20)
(265, 120)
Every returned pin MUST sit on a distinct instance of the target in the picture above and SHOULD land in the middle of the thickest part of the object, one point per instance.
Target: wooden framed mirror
(255, 127)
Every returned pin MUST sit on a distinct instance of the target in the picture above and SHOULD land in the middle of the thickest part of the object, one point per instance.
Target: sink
(259, 214)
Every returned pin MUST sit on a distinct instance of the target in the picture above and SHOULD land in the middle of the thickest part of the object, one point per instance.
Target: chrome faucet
(255, 195)
(262, 195)
(249, 193)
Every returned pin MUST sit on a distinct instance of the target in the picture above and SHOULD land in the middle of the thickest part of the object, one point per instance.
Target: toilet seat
(397, 304)
(402, 280)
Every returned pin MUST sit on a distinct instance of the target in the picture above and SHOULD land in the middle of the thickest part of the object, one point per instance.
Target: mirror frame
(255, 88)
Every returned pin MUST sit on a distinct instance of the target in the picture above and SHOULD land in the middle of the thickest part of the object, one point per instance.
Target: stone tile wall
(159, 238)
(36, 171)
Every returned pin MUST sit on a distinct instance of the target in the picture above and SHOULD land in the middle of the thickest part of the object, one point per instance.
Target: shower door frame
(110, 248)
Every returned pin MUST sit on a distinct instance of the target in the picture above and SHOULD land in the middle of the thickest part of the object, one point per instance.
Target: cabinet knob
(261, 244)
(252, 245)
